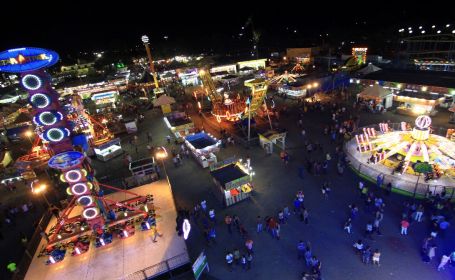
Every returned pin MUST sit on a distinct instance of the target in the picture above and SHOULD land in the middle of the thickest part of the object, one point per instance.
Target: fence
(417, 188)
(159, 269)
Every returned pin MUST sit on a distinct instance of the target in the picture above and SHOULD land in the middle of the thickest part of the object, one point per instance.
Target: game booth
(203, 147)
(233, 181)
(180, 124)
(108, 150)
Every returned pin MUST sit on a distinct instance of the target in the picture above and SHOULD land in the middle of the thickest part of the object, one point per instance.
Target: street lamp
(29, 134)
(162, 154)
(40, 189)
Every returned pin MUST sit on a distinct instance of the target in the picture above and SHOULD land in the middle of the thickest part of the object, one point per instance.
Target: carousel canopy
(163, 100)
(374, 92)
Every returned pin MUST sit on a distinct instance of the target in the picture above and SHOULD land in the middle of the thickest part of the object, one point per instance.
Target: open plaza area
(216, 151)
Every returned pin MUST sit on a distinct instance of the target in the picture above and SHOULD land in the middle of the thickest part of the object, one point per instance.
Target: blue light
(26, 59)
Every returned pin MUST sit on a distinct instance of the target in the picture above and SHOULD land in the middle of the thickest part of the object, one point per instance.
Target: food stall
(108, 150)
(143, 170)
(232, 180)
(379, 96)
(418, 103)
(179, 124)
(203, 146)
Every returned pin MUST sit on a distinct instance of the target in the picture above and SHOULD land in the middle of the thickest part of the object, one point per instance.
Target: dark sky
(193, 28)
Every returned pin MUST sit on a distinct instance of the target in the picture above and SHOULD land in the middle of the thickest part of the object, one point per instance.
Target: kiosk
(108, 150)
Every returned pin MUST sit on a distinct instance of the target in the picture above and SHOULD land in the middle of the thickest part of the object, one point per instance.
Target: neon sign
(26, 59)
(186, 228)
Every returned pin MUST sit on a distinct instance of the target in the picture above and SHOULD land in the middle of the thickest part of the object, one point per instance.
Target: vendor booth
(189, 77)
(179, 124)
(270, 138)
(203, 147)
(108, 150)
(377, 96)
(104, 99)
(418, 103)
(232, 181)
(143, 170)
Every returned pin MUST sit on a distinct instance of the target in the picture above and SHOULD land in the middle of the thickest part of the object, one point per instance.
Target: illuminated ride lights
(40, 100)
(90, 213)
(31, 82)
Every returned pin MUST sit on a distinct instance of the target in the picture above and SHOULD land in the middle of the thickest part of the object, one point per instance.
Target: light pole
(162, 154)
(29, 134)
(40, 190)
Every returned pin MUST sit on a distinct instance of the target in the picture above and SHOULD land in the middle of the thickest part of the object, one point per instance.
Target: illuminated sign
(66, 160)
(26, 59)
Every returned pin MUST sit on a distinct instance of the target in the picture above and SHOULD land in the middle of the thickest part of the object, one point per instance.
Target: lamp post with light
(40, 189)
(161, 154)
(29, 134)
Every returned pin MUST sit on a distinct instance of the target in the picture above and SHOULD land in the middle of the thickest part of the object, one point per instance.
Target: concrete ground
(275, 187)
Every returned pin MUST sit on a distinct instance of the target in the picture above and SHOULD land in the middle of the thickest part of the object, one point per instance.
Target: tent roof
(368, 69)
(375, 91)
(163, 100)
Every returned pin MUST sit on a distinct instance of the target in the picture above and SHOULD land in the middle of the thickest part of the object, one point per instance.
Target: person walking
(348, 226)
(301, 250)
(305, 215)
(419, 213)
(228, 222)
(277, 231)
(444, 260)
(308, 255)
(358, 246)
(212, 216)
(366, 255)
(376, 257)
(259, 224)
(404, 227)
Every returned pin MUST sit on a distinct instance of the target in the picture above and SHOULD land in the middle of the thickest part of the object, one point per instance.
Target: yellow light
(315, 84)
(308, 86)
(202, 72)
(28, 133)
(424, 88)
(399, 86)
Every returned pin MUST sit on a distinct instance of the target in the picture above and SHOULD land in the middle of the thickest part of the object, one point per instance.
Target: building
(78, 70)
(302, 55)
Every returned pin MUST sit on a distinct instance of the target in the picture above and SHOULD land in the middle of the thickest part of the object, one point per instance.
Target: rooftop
(429, 78)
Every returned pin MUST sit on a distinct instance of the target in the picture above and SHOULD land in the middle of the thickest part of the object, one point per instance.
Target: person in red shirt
(404, 227)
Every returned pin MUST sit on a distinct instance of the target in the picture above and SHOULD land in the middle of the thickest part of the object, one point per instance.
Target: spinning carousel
(405, 153)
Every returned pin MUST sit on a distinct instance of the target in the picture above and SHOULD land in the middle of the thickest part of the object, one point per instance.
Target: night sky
(191, 29)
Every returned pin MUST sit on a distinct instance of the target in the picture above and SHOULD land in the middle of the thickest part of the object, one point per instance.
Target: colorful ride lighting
(31, 82)
(77, 251)
(90, 213)
(52, 260)
(186, 228)
(102, 242)
(79, 189)
(73, 176)
(147, 225)
(125, 233)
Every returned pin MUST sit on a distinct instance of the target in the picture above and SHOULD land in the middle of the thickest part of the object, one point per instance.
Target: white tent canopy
(379, 93)
(368, 69)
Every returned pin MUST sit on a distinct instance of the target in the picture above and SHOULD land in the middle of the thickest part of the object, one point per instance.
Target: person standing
(404, 227)
(369, 230)
(259, 224)
(249, 259)
(237, 256)
(229, 260)
(308, 255)
(212, 216)
(376, 257)
(249, 246)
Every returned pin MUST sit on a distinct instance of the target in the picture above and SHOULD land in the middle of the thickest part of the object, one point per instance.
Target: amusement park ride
(90, 216)
(226, 107)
